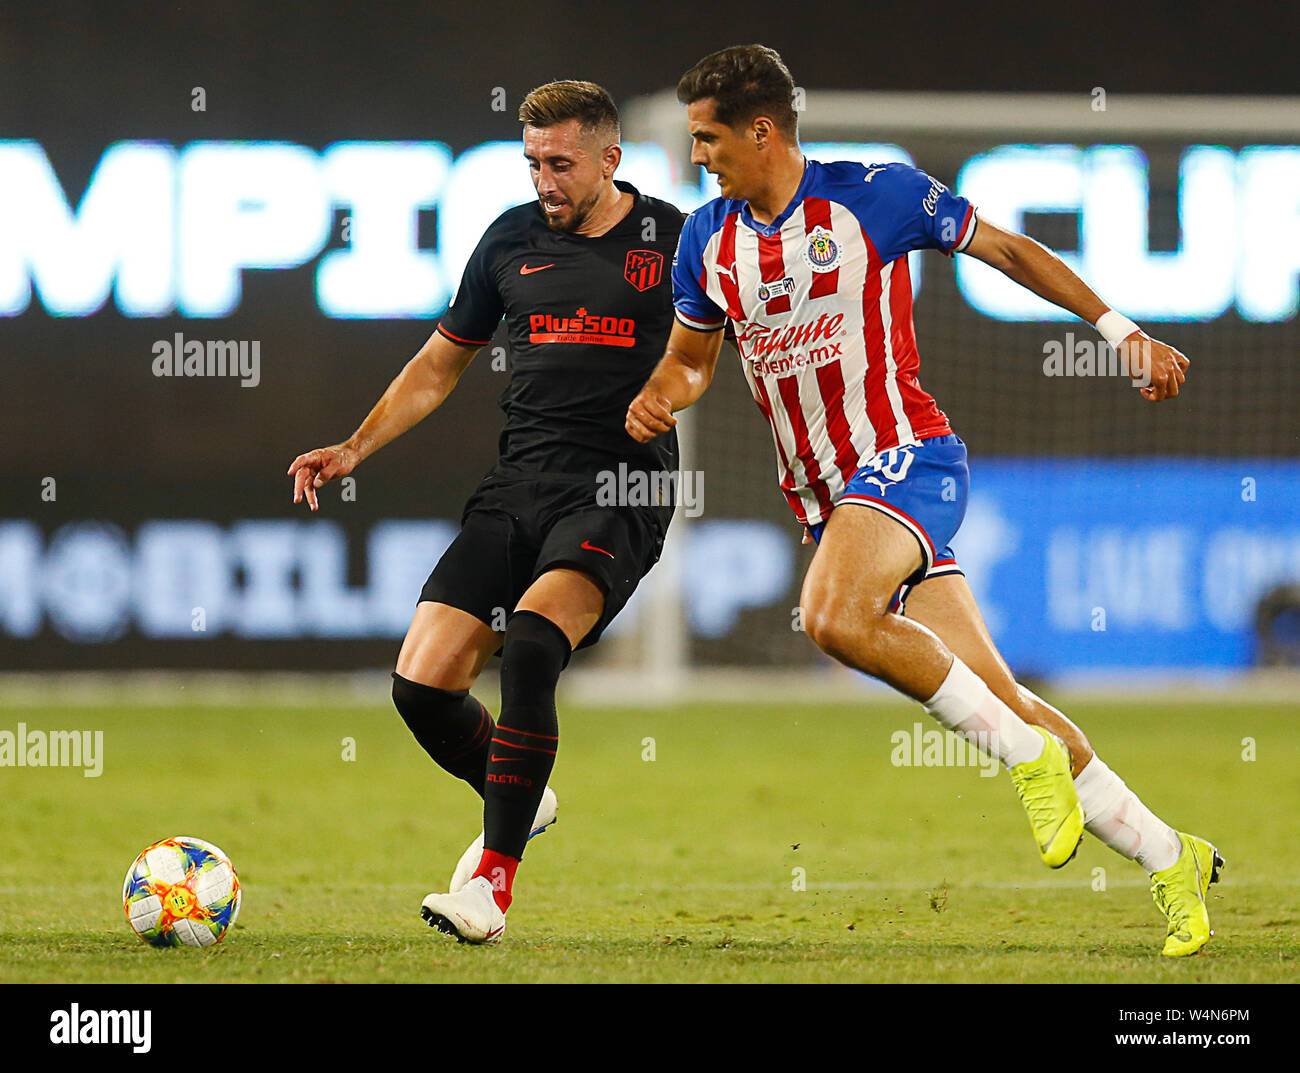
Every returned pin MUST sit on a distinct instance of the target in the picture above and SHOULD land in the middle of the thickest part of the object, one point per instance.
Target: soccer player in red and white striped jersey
(821, 300)
(808, 263)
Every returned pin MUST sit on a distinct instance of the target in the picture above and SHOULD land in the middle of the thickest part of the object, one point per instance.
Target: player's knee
(842, 632)
(451, 675)
(829, 634)
(417, 702)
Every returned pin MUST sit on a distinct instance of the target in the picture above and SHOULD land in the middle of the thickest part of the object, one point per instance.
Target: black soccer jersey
(587, 320)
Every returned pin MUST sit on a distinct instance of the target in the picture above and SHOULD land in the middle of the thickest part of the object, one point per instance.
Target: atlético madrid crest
(644, 269)
(822, 251)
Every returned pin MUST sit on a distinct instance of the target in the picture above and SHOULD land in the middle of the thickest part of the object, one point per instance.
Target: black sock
(450, 725)
(523, 747)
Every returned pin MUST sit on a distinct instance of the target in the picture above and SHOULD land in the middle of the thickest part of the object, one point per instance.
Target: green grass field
(678, 869)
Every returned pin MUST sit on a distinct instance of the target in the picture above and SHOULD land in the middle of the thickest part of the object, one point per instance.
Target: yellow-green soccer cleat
(1179, 891)
(1046, 789)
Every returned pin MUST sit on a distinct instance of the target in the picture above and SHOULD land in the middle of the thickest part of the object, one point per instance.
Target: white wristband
(1115, 327)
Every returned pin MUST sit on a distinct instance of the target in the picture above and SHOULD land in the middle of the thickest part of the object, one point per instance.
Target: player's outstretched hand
(1155, 367)
(649, 415)
(316, 468)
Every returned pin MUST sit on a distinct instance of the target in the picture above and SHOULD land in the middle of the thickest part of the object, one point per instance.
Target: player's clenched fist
(649, 415)
(314, 469)
(1156, 368)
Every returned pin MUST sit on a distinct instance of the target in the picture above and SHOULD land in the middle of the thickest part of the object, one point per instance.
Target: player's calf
(1037, 712)
(522, 751)
(450, 725)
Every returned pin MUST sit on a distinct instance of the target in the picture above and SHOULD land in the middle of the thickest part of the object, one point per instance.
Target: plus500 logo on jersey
(582, 327)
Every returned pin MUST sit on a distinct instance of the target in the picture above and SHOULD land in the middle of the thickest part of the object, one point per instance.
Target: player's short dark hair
(558, 102)
(745, 81)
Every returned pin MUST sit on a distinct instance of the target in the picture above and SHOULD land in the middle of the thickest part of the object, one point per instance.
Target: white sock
(1113, 813)
(967, 707)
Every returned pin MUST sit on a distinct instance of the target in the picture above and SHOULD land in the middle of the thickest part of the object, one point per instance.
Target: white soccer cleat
(468, 863)
(471, 914)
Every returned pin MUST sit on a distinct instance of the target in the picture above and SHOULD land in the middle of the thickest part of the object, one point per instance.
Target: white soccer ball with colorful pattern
(181, 892)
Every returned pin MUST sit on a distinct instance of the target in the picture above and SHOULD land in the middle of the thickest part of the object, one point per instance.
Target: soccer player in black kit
(582, 278)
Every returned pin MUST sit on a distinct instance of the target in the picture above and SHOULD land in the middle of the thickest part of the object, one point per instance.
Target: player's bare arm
(419, 389)
(1156, 366)
(680, 378)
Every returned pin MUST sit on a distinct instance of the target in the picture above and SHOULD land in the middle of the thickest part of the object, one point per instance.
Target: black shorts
(513, 531)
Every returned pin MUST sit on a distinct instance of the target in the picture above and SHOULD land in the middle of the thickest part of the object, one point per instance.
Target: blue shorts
(924, 487)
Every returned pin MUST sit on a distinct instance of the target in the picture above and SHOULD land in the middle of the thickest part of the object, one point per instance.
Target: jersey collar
(799, 195)
(636, 195)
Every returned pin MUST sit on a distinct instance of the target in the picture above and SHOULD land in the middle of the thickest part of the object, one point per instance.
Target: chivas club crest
(822, 251)
(644, 269)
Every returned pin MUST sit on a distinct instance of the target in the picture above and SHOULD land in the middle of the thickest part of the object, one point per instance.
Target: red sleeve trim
(458, 339)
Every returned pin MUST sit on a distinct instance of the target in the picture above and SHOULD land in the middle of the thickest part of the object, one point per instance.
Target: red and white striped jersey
(821, 304)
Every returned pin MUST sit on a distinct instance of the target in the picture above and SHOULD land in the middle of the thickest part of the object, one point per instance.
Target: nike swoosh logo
(524, 270)
(592, 547)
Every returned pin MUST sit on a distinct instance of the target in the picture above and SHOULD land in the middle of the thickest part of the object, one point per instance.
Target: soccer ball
(181, 892)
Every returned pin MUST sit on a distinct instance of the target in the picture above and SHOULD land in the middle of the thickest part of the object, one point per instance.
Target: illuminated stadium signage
(167, 230)
(1175, 585)
(274, 579)
(1238, 217)
(163, 230)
